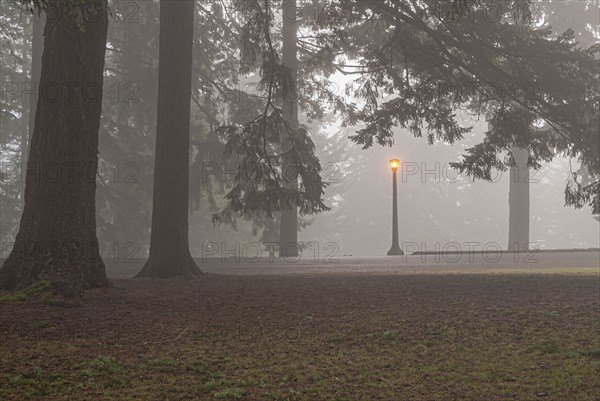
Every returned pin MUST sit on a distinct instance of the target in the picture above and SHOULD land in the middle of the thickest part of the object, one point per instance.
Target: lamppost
(395, 249)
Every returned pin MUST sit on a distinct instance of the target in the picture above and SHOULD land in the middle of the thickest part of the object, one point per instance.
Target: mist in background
(436, 205)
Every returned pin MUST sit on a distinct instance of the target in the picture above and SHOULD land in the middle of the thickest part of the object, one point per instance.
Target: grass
(535, 269)
(40, 290)
(410, 337)
(104, 364)
(541, 370)
(229, 394)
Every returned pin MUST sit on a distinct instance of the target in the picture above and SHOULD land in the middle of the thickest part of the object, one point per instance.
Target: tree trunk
(37, 48)
(518, 200)
(288, 237)
(169, 246)
(57, 233)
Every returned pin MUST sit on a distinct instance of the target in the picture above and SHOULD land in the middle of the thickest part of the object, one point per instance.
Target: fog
(301, 200)
(438, 207)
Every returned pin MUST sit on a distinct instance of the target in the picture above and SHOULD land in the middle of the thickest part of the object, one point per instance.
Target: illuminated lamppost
(395, 249)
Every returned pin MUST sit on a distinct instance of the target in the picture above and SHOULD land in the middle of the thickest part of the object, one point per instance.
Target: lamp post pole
(395, 249)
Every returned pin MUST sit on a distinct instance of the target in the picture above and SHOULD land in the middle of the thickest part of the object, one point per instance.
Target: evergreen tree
(57, 234)
(433, 61)
(288, 232)
(169, 245)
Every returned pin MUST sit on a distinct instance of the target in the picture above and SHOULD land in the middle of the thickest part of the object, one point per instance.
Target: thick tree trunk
(169, 246)
(57, 234)
(518, 199)
(288, 237)
(37, 48)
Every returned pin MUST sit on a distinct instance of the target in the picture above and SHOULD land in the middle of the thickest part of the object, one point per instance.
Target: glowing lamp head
(394, 164)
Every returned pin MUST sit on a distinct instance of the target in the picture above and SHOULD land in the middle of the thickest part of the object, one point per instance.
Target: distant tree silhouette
(288, 232)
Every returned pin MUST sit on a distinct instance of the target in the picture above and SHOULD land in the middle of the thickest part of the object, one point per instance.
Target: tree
(261, 188)
(127, 134)
(519, 213)
(37, 48)
(518, 192)
(404, 65)
(169, 245)
(518, 201)
(288, 233)
(428, 52)
(57, 233)
(579, 21)
(14, 118)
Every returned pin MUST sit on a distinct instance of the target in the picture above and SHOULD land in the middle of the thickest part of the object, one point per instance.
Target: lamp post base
(396, 250)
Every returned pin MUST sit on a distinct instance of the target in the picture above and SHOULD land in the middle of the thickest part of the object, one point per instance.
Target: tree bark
(518, 199)
(37, 49)
(288, 237)
(169, 247)
(57, 233)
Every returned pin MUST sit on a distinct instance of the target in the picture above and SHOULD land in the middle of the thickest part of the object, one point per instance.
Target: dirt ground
(342, 333)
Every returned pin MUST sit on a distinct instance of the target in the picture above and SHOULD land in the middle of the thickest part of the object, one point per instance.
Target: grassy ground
(476, 336)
